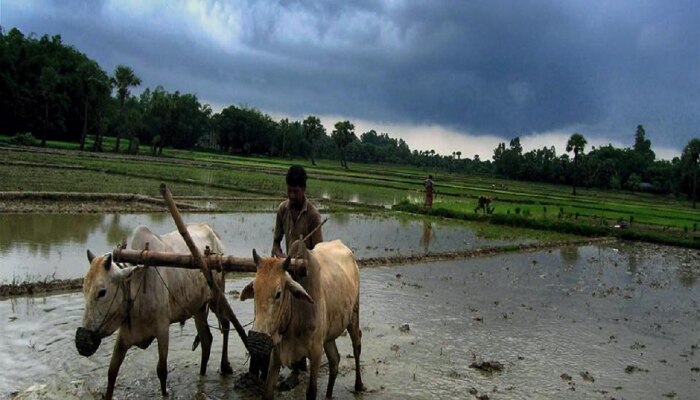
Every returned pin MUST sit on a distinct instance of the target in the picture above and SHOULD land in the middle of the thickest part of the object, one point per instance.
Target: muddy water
(34, 247)
(619, 321)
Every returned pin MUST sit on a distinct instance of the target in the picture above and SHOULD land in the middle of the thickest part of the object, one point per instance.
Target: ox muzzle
(259, 344)
(87, 342)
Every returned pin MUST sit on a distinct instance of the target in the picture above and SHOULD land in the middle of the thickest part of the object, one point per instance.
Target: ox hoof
(247, 381)
(360, 388)
(289, 383)
(226, 369)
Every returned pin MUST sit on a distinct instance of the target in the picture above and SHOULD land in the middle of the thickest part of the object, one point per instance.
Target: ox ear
(108, 261)
(298, 291)
(248, 292)
(121, 274)
(90, 256)
(256, 258)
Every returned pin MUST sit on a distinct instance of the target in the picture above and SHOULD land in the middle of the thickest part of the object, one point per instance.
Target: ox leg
(273, 372)
(333, 362)
(315, 356)
(118, 355)
(162, 368)
(356, 338)
(225, 329)
(225, 364)
(200, 322)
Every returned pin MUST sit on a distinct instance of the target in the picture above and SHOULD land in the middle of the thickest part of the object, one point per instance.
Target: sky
(452, 75)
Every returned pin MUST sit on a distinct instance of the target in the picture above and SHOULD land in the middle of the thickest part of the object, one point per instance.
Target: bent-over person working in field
(296, 217)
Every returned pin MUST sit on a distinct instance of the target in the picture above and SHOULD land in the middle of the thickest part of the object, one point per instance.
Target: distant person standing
(429, 191)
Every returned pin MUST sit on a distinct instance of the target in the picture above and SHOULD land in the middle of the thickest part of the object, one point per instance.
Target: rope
(110, 307)
(315, 229)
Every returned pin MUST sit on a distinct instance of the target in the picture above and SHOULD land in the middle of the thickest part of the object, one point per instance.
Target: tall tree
(48, 80)
(643, 154)
(313, 130)
(690, 156)
(123, 79)
(576, 143)
(94, 89)
(343, 135)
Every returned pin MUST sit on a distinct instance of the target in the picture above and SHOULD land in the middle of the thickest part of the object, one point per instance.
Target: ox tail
(195, 342)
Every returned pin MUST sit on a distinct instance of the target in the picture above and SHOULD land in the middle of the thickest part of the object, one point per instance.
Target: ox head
(273, 290)
(104, 295)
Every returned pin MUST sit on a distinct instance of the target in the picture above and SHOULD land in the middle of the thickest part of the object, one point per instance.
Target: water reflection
(35, 247)
(569, 254)
(340, 219)
(37, 233)
(116, 230)
(427, 235)
(632, 263)
(688, 275)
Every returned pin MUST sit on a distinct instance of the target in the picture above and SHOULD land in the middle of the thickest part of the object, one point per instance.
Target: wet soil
(605, 321)
(54, 286)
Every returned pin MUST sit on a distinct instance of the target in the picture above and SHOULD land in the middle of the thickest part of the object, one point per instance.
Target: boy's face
(295, 194)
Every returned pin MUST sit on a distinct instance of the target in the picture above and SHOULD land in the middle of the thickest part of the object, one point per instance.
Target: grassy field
(191, 173)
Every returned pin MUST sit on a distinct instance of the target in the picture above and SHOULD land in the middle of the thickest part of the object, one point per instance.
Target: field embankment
(237, 182)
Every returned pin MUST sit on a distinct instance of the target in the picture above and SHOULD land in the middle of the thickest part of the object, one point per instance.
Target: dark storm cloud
(497, 67)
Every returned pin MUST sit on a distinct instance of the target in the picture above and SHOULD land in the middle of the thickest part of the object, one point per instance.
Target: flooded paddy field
(602, 322)
(39, 247)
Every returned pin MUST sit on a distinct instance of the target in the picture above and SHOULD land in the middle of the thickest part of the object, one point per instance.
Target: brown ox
(143, 302)
(304, 319)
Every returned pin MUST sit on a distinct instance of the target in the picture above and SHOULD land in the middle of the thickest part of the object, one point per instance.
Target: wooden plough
(196, 260)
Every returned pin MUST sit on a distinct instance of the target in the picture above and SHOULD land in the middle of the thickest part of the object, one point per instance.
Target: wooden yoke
(216, 262)
(224, 309)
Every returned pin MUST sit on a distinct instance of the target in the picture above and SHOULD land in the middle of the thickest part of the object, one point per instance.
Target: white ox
(143, 302)
(304, 319)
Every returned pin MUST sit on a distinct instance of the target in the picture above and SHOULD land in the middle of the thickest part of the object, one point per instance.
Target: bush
(24, 139)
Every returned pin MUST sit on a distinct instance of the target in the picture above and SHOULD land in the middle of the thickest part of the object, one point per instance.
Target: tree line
(55, 92)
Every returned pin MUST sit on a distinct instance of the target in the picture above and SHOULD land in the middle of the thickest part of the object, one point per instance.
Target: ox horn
(90, 256)
(256, 258)
(287, 263)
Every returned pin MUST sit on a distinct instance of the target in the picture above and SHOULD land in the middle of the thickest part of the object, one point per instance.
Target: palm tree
(691, 156)
(343, 135)
(576, 144)
(313, 130)
(123, 79)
